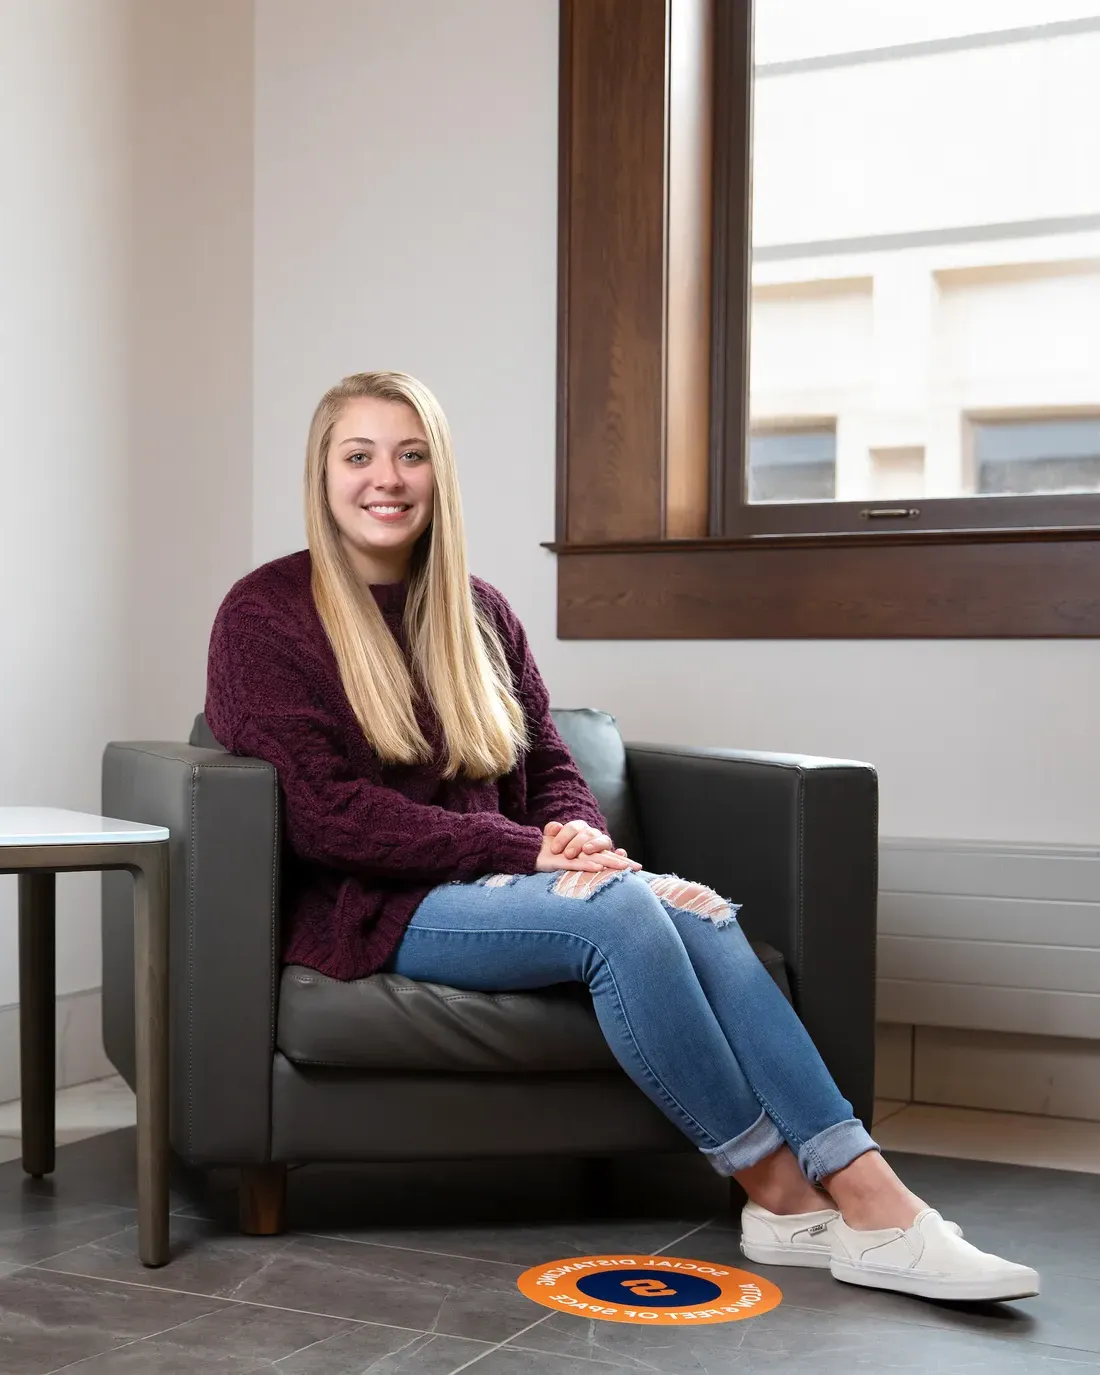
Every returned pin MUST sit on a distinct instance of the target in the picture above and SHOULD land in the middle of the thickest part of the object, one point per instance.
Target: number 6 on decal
(647, 1289)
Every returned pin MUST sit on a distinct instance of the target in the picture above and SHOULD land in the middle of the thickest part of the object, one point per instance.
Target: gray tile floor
(413, 1270)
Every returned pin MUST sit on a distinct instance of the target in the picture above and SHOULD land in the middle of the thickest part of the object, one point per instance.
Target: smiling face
(380, 485)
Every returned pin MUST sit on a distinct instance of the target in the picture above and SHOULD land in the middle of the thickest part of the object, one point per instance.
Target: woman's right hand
(549, 861)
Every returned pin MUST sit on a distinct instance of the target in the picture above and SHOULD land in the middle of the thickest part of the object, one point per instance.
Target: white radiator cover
(990, 937)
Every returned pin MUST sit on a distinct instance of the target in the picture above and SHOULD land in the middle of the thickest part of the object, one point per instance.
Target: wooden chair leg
(262, 1200)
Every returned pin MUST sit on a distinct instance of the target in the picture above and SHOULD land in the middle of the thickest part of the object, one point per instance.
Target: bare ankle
(871, 1197)
(785, 1202)
(778, 1185)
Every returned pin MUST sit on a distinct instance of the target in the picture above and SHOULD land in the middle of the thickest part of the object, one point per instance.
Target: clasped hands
(577, 845)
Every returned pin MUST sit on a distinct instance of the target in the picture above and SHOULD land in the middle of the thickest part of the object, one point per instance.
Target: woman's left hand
(573, 838)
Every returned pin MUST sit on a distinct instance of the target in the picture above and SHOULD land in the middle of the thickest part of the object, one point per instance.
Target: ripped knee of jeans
(584, 883)
(683, 896)
(497, 880)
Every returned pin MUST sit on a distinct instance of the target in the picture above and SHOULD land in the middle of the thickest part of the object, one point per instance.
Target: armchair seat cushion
(386, 1023)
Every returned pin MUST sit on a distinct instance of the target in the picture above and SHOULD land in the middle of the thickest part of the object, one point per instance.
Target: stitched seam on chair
(239, 760)
(572, 935)
(799, 945)
(874, 901)
(363, 986)
(331, 1064)
(273, 981)
(480, 997)
(192, 853)
(450, 1069)
(798, 765)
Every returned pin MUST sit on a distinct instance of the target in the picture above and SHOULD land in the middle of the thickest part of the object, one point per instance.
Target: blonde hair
(457, 661)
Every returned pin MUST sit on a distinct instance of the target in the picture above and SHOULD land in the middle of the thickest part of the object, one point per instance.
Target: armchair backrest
(202, 735)
(595, 743)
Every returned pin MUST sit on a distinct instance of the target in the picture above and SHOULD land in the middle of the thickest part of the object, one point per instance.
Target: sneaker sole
(974, 1289)
(804, 1257)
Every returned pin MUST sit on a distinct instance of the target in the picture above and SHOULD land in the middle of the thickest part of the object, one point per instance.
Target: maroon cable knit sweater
(366, 841)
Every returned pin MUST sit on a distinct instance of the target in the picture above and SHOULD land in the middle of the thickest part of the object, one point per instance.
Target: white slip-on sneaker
(929, 1260)
(803, 1239)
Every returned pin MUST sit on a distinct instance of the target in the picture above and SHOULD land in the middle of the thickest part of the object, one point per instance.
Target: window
(792, 464)
(917, 263)
(1039, 455)
(892, 262)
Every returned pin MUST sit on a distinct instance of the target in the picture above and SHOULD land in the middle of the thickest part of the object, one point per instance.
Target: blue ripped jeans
(685, 1005)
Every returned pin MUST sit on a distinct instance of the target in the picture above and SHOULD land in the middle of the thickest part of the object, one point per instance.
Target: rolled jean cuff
(830, 1150)
(754, 1144)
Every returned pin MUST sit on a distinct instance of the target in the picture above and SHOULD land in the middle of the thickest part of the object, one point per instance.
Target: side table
(37, 843)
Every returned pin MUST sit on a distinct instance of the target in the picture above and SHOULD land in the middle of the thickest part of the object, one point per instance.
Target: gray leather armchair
(274, 1065)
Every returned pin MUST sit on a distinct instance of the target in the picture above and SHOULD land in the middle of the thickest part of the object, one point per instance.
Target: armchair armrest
(795, 840)
(222, 813)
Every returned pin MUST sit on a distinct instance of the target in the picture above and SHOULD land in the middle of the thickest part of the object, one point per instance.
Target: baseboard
(1050, 1076)
(894, 1062)
(80, 1054)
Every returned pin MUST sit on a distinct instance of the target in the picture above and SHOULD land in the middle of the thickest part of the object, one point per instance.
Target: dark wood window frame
(653, 538)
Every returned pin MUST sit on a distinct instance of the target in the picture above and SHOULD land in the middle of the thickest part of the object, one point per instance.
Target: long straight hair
(457, 661)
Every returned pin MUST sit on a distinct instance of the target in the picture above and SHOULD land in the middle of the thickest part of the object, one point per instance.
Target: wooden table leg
(37, 1019)
(151, 1043)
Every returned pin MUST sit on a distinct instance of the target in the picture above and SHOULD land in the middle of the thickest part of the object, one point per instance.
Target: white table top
(55, 826)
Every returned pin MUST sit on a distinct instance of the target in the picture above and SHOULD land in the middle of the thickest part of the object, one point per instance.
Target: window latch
(890, 512)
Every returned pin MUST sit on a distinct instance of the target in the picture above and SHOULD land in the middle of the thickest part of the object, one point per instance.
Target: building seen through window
(926, 250)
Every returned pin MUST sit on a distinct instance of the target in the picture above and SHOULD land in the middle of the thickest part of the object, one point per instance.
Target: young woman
(438, 828)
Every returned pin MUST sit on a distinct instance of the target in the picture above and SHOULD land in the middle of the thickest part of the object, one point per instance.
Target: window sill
(919, 584)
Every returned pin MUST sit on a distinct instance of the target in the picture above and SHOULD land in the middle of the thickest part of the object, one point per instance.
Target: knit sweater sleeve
(556, 790)
(260, 703)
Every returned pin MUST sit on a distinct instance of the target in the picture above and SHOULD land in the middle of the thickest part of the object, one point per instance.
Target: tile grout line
(148, 1337)
(529, 1328)
(590, 1360)
(990, 1333)
(310, 1345)
(71, 1088)
(42, 1262)
(460, 1255)
(225, 1298)
(413, 1250)
(677, 1240)
(272, 1307)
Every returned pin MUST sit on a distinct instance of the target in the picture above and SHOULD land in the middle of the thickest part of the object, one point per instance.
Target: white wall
(190, 345)
(63, 507)
(405, 217)
(125, 380)
(405, 212)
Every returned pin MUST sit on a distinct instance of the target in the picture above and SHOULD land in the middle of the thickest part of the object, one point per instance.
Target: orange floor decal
(649, 1289)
